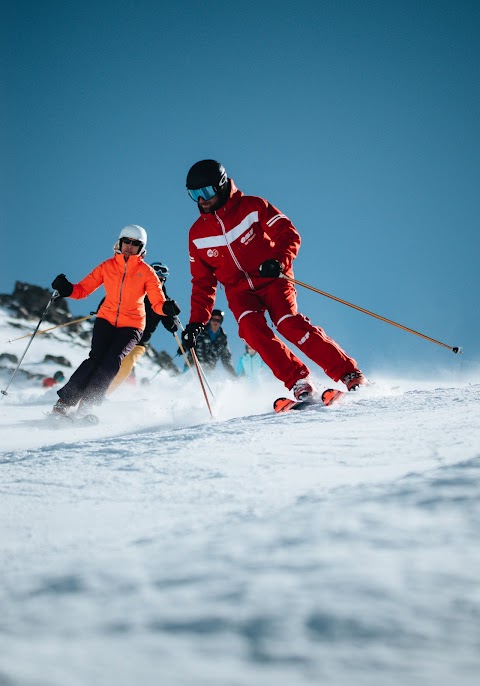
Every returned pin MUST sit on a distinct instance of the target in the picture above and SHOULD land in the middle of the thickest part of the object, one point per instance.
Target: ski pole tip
(457, 351)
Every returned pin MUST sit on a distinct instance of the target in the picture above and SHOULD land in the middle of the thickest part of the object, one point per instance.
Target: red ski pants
(278, 298)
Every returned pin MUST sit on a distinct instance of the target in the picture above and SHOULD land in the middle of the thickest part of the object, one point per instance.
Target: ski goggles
(132, 241)
(207, 193)
(161, 270)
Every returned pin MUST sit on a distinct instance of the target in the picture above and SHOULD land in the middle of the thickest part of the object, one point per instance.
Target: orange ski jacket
(126, 283)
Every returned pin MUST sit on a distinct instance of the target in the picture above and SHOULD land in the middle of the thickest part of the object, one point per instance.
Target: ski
(328, 397)
(61, 420)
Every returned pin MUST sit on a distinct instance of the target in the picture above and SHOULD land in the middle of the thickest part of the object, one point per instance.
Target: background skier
(250, 365)
(212, 345)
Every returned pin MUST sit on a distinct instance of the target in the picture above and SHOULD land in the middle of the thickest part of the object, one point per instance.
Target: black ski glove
(270, 268)
(169, 324)
(62, 285)
(190, 334)
(170, 308)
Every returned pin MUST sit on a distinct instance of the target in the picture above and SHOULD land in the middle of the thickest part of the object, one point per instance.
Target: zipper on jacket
(120, 293)
(230, 250)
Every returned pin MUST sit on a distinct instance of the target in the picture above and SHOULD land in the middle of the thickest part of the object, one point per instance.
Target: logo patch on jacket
(248, 237)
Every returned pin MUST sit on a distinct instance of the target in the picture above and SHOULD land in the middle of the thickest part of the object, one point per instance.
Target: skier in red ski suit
(245, 243)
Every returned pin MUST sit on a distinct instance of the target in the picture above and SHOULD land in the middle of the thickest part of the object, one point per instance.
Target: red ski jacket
(126, 284)
(228, 247)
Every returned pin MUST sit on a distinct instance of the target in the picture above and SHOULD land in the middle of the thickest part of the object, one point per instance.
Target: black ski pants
(90, 381)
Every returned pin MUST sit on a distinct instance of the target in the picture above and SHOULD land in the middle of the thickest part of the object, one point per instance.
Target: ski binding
(328, 397)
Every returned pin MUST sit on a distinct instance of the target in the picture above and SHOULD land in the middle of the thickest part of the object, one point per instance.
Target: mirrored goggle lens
(206, 193)
(161, 270)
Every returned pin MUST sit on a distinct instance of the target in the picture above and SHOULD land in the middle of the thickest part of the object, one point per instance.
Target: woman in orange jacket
(120, 322)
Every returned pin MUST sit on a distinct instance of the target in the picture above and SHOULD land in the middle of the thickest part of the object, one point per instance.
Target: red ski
(328, 397)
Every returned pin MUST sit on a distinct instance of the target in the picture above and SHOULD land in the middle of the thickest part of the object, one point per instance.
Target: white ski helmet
(136, 232)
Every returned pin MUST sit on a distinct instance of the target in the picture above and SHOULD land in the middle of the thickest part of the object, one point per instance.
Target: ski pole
(198, 366)
(54, 295)
(179, 342)
(201, 374)
(75, 321)
(155, 375)
(372, 314)
(202, 371)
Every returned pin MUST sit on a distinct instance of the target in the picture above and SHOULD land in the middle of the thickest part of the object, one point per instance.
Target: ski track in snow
(335, 546)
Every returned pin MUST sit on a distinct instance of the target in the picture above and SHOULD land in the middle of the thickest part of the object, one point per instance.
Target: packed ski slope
(336, 546)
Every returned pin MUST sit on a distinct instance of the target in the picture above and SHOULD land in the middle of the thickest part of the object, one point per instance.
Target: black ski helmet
(207, 173)
(218, 313)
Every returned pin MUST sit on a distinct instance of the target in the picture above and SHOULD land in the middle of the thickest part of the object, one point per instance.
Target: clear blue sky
(359, 120)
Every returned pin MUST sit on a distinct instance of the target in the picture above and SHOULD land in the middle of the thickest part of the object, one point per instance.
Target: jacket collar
(133, 261)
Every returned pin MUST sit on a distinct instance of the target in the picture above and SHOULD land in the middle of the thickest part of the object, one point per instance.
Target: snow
(335, 546)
